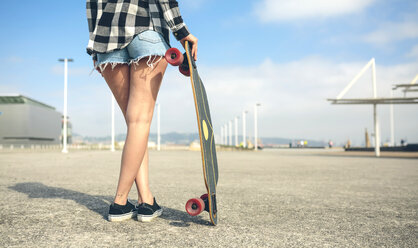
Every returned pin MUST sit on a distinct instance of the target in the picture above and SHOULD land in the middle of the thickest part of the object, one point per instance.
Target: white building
(25, 121)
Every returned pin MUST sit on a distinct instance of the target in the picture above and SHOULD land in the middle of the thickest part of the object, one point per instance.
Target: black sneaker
(119, 212)
(147, 212)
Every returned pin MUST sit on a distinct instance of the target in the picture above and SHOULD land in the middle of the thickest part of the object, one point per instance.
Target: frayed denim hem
(151, 62)
(103, 66)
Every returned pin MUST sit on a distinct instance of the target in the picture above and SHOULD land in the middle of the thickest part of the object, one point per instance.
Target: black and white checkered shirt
(114, 23)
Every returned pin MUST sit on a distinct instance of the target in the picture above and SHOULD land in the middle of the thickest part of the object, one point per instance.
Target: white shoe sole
(148, 218)
(121, 217)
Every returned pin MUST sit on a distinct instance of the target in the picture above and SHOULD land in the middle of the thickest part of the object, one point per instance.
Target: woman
(128, 39)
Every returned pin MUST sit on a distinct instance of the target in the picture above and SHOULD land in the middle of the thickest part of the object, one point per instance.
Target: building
(25, 121)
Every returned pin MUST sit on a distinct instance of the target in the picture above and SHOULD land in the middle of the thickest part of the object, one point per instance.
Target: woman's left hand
(193, 40)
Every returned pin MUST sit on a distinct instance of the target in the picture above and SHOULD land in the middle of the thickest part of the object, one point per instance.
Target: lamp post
(230, 132)
(392, 128)
(244, 129)
(375, 117)
(64, 135)
(255, 126)
(222, 135)
(225, 134)
(236, 130)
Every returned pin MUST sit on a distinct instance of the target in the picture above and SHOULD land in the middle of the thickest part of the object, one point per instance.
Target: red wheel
(184, 70)
(174, 57)
(195, 206)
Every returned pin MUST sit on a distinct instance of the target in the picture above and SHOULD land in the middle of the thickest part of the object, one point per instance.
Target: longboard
(187, 66)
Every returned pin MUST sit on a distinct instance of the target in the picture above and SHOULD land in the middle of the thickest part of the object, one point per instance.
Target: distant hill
(279, 141)
(176, 138)
(187, 138)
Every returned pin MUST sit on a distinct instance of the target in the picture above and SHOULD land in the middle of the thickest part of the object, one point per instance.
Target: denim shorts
(149, 44)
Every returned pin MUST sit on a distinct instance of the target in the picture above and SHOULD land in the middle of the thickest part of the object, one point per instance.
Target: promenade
(269, 198)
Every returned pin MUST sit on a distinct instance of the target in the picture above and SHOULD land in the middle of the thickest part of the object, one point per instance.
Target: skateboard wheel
(174, 57)
(184, 70)
(195, 206)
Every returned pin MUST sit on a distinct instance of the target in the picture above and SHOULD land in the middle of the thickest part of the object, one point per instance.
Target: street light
(65, 60)
(230, 132)
(236, 130)
(244, 129)
(255, 126)
(226, 134)
(375, 118)
(392, 128)
(222, 135)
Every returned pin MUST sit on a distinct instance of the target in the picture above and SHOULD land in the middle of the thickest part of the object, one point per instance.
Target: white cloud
(12, 60)
(293, 97)
(390, 32)
(284, 10)
(58, 69)
(9, 88)
(413, 53)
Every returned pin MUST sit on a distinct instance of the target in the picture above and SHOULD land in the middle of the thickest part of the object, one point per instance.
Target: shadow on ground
(181, 218)
(99, 204)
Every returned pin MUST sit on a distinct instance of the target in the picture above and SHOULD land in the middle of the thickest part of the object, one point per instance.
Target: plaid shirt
(114, 23)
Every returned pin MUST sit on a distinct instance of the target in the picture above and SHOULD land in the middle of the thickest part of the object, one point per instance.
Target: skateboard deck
(207, 141)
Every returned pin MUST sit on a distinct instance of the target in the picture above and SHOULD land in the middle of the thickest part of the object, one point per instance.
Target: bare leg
(118, 82)
(142, 183)
(143, 90)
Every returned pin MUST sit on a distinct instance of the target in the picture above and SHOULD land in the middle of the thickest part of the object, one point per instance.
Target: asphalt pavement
(270, 198)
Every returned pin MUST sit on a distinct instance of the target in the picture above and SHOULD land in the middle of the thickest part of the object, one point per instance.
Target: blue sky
(288, 55)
